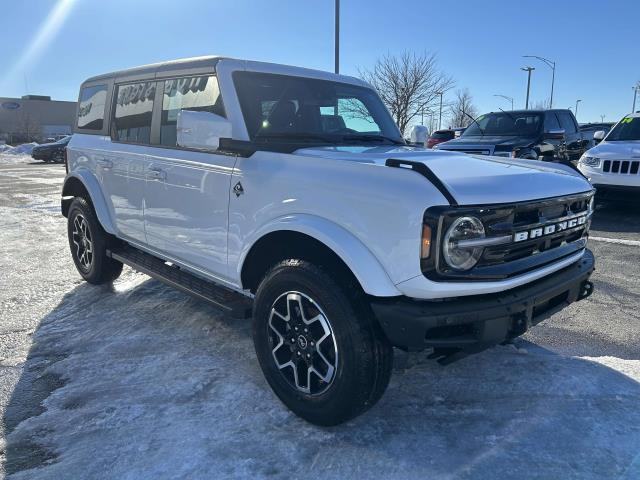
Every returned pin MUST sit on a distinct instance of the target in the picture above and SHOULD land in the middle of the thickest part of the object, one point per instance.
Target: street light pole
(575, 113)
(337, 38)
(440, 119)
(552, 65)
(510, 99)
(528, 70)
(635, 94)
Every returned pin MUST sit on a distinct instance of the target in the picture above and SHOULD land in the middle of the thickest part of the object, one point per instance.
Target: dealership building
(34, 118)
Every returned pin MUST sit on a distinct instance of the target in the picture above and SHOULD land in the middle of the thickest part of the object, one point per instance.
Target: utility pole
(575, 113)
(528, 70)
(602, 118)
(552, 65)
(440, 119)
(337, 37)
(635, 94)
(510, 99)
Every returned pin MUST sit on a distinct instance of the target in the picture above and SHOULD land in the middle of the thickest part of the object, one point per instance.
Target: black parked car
(51, 152)
(588, 129)
(550, 135)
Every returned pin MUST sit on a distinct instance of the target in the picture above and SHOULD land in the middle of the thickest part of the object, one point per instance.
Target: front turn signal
(425, 247)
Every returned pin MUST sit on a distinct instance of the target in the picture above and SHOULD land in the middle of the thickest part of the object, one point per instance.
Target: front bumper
(471, 324)
(610, 181)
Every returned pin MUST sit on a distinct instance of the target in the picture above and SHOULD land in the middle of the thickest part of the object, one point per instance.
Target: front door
(186, 207)
(187, 192)
(573, 136)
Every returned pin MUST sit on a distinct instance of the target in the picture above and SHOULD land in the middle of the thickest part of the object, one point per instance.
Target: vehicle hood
(489, 140)
(47, 146)
(472, 179)
(616, 150)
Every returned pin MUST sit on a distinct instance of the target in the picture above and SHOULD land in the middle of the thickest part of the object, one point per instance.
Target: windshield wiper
(474, 121)
(294, 136)
(371, 138)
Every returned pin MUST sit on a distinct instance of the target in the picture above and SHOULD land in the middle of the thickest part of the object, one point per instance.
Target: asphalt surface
(140, 381)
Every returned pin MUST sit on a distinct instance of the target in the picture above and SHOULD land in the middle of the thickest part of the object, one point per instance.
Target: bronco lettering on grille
(550, 229)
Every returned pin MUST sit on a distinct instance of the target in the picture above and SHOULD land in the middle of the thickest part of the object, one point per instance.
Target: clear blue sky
(479, 43)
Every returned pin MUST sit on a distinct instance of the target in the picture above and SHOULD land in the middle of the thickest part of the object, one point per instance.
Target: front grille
(514, 258)
(624, 167)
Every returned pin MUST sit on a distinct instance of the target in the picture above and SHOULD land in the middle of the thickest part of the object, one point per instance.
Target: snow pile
(4, 147)
(14, 159)
(24, 149)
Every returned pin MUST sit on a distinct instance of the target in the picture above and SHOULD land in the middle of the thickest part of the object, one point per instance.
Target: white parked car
(614, 164)
(288, 195)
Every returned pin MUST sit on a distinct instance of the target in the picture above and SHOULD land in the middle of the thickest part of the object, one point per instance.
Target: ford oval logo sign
(10, 105)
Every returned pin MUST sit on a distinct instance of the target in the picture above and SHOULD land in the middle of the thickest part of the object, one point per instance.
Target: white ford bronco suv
(288, 195)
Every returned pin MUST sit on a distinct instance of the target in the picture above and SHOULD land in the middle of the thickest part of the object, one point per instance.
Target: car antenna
(507, 113)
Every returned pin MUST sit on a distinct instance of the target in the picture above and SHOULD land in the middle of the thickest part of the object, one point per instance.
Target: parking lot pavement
(140, 381)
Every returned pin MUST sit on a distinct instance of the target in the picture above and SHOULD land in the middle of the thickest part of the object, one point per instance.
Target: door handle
(104, 163)
(156, 173)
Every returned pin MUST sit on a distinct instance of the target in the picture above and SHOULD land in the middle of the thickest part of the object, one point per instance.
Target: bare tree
(462, 110)
(408, 84)
(540, 105)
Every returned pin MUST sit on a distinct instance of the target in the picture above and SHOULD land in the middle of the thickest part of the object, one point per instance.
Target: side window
(567, 122)
(551, 122)
(133, 112)
(91, 108)
(200, 94)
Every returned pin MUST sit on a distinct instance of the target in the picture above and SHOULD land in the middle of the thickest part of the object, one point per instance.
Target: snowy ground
(140, 381)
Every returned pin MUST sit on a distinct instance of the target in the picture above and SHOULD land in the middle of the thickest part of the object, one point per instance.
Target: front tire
(88, 243)
(318, 345)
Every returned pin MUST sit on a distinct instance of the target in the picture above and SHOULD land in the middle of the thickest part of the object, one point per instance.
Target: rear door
(187, 192)
(131, 135)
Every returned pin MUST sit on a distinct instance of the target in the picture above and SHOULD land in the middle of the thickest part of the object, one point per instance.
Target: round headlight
(462, 257)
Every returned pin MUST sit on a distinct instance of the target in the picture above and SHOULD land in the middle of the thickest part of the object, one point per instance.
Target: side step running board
(232, 302)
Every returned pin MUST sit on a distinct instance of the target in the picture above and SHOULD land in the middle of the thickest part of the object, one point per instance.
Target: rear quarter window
(91, 107)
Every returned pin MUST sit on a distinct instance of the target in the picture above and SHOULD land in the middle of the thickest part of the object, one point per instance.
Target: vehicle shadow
(138, 380)
(45, 164)
(617, 214)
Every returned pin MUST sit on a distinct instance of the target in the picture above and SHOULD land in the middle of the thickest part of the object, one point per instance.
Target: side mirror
(201, 130)
(599, 136)
(419, 135)
(557, 134)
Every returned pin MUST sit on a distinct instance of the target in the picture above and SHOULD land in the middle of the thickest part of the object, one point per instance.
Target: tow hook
(586, 290)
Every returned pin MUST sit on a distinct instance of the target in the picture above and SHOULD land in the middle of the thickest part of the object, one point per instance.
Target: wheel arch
(84, 184)
(313, 239)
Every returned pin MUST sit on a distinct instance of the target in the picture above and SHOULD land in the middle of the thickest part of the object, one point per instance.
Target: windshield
(627, 130)
(506, 124)
(298, 109)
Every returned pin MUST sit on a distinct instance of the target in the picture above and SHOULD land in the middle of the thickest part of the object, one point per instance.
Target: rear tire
(88, 243)
(342, 360)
